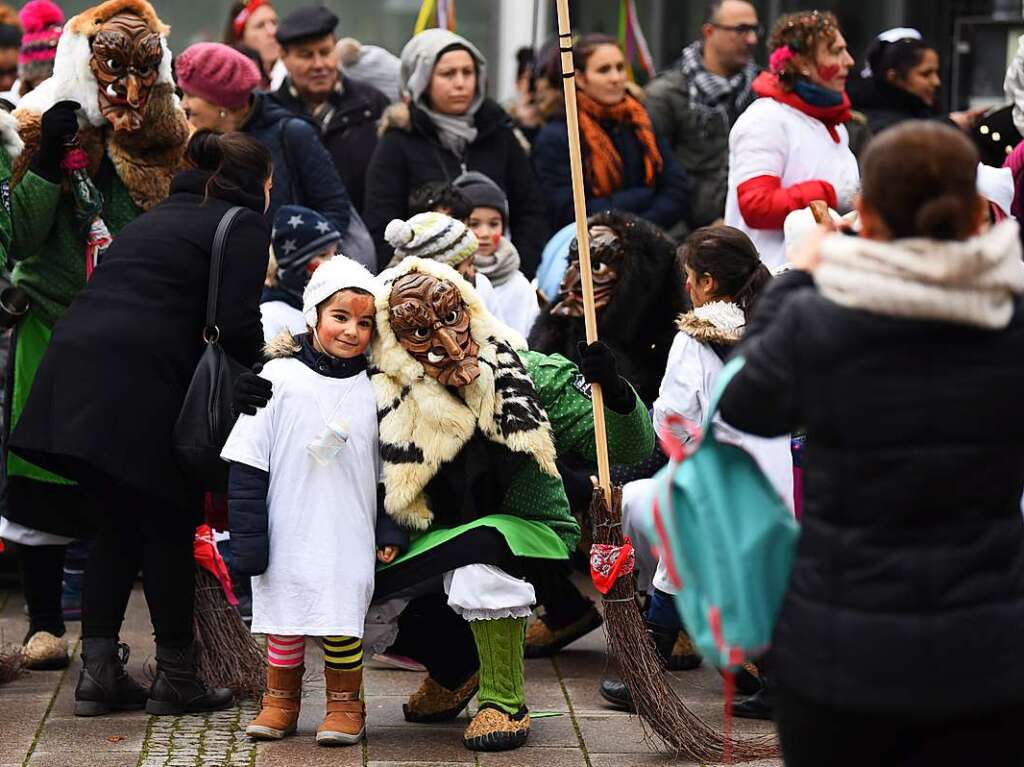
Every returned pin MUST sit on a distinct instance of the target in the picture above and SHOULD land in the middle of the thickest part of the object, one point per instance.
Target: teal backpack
(726, 538)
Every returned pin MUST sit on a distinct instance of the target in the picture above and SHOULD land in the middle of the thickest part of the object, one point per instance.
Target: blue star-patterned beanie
(299, 234)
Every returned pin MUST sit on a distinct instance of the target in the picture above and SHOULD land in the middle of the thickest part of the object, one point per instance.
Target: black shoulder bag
(205, 420)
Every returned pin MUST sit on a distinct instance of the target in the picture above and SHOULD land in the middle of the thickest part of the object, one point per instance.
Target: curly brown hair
(801, 32)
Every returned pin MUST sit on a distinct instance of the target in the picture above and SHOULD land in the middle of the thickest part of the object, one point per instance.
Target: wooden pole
(582, 232)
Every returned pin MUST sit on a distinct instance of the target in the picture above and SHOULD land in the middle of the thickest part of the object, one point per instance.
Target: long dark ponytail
(728, 255)
(236, 161)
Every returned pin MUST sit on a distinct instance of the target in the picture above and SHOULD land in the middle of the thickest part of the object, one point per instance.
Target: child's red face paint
(496, 239)
(829, 73)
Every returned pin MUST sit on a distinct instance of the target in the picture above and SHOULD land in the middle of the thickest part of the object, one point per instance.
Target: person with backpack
(900, 351)
(220, 94)
(724, 277)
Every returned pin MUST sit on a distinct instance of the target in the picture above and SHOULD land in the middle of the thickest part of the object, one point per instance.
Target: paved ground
(37, 728)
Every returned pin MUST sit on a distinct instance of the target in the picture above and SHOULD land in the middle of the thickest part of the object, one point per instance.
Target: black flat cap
(306, 23)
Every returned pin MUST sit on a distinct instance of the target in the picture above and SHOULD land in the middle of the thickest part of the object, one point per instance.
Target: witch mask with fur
(443, 368)
(125, 61)
(114, 61)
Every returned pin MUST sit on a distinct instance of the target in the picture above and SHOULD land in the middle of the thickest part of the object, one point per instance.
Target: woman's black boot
(178, 690)
(104, 685)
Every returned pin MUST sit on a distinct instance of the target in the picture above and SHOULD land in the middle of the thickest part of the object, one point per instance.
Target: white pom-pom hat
(433, 237)
(334, 274)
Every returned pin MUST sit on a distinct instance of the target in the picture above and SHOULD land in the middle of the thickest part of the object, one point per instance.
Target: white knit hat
(432, 236)
(336, 273)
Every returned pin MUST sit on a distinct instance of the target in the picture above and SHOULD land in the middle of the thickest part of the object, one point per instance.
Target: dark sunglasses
(741, 29)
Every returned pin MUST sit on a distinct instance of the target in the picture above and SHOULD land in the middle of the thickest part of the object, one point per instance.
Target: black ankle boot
(178, 690)
(104, 685)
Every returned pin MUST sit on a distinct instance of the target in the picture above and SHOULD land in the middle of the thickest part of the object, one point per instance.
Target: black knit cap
(481, 192)
(307, 23)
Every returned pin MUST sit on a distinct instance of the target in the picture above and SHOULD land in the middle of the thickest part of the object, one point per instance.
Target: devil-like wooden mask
(606, 264)
(126, 57)
(431, 322)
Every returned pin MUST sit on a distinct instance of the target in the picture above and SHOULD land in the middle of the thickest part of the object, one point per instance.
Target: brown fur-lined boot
(434, 703)
(345, 723)
(281, 701)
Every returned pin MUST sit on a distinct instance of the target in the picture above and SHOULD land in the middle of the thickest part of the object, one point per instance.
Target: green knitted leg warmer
(500, 645)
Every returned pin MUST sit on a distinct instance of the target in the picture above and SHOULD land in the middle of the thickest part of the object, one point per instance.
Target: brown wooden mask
(606, 263)
(126, 56)
(431, 322)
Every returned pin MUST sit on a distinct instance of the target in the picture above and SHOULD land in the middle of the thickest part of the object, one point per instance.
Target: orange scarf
(604, 164)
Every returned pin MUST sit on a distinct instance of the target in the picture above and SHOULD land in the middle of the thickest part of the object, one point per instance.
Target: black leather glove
(251, 392)
(58, 125)
(597, 364)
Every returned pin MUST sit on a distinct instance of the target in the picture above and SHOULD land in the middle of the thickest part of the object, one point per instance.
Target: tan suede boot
(345, 723)
(280, 712)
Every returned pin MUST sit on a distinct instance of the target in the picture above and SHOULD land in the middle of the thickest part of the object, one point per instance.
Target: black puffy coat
(350, 135)
(907, 593)
(886, 105)
(112, 382)
(410, 155)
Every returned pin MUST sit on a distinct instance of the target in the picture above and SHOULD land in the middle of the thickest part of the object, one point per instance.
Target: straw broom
(664, 716)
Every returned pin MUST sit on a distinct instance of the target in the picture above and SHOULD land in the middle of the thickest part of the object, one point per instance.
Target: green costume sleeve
(34, 203)
(566, 397)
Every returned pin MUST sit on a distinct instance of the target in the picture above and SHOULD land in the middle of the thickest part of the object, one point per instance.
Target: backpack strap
(734, 366)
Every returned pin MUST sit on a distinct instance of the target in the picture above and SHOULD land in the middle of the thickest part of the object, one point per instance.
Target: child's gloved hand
(387, 554)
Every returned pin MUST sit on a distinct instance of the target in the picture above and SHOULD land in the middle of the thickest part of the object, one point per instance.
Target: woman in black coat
(900, 636)
(109, 390)
(450, 127)
(904, 85)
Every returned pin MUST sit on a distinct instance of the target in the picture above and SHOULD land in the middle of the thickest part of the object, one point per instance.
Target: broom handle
(582, 233)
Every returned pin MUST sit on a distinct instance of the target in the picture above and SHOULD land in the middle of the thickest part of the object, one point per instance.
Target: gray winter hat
(481, 192)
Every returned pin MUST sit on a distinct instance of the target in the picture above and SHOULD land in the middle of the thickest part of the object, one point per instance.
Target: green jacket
(49, 252)
(566, 398)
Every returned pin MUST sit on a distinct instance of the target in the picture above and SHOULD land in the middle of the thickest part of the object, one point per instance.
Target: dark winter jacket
(350, 134)
(886, 105)
(665, 204)
(700, 139)
(109, 390)
(303, 171)
(410, 155)
(911, 556)
(248, 487)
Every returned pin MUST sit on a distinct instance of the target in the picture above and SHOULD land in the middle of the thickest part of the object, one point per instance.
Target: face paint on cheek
(496, 239)
(829, 73)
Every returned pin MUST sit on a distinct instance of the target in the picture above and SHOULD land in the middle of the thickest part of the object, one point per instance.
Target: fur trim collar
(719, 322)
(395, 117)
(424, 425)
(974, 282)
(282, 346)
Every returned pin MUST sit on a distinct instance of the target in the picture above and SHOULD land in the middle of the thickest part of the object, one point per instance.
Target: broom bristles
(662, 714)
(227, 654)
(12, 662)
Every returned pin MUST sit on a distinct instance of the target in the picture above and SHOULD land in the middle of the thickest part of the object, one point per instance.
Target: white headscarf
(419, 56)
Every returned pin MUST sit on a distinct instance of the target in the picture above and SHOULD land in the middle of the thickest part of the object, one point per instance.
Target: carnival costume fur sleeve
(470, 429)
(113, 61)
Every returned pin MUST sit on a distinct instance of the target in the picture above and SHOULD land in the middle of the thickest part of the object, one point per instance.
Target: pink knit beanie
(217, 73)
(41, 23)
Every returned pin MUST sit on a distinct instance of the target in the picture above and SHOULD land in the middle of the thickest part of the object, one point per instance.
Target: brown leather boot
(280, 712)
(345, 723)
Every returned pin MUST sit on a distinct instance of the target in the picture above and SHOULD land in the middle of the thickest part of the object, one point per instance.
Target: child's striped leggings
(340, 653)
